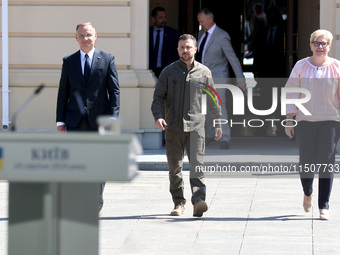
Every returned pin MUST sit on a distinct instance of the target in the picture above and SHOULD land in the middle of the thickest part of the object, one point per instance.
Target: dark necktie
(271, 37)
(200, 51)
(87, 69)
(155, 50)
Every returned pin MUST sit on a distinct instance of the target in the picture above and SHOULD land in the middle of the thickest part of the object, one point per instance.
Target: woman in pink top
(317, 134)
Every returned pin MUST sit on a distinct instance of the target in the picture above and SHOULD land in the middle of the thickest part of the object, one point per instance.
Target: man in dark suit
(269, 59)
(162, 42)
(270, 64)
(88, 86)
(98, 93)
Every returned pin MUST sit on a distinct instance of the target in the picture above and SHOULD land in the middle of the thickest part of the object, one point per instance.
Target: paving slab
(248, 213)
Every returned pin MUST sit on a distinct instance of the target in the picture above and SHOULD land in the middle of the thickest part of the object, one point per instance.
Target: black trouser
(84, 126)
(317, 145)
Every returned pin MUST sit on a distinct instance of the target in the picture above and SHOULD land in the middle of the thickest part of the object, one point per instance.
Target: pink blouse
(323, 84)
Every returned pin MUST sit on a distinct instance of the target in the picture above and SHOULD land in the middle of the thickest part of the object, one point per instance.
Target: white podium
(54, 187)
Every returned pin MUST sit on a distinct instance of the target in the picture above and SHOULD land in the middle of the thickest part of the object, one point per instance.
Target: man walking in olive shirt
(177, 110)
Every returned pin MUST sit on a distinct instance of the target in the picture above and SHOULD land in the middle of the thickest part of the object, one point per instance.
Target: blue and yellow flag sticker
(1, 159)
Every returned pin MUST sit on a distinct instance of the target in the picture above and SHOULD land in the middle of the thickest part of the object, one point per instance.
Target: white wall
(329, 14)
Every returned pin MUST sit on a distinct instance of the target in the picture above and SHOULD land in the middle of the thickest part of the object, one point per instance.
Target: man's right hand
(290, 130)
(61, 129)
(218, 134)
(160, 123)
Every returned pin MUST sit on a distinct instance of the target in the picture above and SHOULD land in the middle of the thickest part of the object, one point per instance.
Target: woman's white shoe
(307, 203)
(324, 214)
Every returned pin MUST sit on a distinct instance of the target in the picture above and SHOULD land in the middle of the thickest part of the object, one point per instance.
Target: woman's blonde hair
(321, 32)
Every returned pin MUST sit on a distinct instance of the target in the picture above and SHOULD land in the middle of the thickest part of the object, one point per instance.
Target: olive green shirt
(178, 97)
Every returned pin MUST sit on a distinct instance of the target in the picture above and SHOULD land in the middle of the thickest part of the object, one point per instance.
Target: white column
(328, 21)
(5, 90)
(140, 61)
(337, 24)
(139, 34)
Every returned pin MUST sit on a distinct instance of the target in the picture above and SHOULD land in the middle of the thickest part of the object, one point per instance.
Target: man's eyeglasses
(317, 44)
(85, 36)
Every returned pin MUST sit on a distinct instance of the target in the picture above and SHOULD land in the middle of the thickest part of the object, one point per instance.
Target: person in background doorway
(257, 24)
(216, 52)
(270, 66)
(162, 42)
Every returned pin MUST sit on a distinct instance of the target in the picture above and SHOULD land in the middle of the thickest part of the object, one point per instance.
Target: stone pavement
(243, 151)
(256, 215)
(249, 213)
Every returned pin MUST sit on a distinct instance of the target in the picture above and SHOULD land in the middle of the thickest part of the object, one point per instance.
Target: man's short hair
(155, 10)
(84, 24)
(186, 37)
(207, 13)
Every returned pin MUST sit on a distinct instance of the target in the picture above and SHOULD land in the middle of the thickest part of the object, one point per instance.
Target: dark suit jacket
(100, 95)
(170, 44)
(269, 61)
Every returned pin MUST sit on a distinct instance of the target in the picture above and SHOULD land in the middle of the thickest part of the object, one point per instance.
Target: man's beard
(188, 57)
